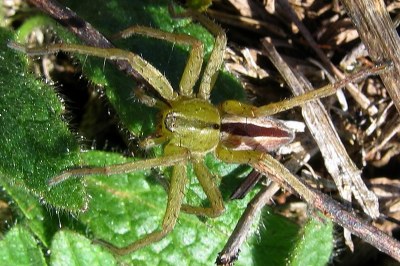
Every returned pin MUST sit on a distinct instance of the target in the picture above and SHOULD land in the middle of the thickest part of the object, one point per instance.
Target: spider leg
(175, 197)
(121, 168)
(151, 141)
(246, 110)
(153, 76)
(238, 156)
(264, 163)
(148, 100)
(195, 60)
(216, 59)
(210, 189)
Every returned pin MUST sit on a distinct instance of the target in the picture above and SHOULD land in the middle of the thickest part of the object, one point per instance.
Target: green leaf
(35, 215)
(314, 244)
(69, 248)
(278, 234)
(286, 243)
(36, 142)
(19, 247)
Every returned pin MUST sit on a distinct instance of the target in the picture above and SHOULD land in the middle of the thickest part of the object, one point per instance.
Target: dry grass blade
(378, 34)
(361, 99)
(346, 175)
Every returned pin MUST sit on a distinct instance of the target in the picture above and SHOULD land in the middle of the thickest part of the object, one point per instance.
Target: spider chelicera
(190, 126)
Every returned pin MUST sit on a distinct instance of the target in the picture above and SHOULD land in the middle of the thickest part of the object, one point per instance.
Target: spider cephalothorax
(190, 119)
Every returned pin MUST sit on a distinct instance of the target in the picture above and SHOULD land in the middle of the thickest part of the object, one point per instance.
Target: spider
(190, 126)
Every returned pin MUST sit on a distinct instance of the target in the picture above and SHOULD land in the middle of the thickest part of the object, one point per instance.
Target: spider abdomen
(263, 134)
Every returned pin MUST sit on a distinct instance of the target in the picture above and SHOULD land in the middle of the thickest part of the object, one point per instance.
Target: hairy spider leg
(260, 160)
(152, 75)
(246, 110)
(216, 59)
(123, 168)
(172, 156)
(238, 156)
(210, 189)
(194, 62)
(176, 194)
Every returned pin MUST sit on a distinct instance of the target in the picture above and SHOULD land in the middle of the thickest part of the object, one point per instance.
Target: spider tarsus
(16, 46)
(59, 179)
(76, 172)
(377, 68)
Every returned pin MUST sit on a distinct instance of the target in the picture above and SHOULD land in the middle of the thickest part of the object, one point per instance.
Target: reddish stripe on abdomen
(251, 130)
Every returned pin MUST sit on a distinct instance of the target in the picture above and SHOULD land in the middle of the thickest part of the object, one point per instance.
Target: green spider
(190, 126)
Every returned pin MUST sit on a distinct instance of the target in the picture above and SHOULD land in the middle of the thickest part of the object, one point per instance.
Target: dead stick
(379, 35)
(329, 207)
